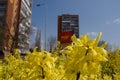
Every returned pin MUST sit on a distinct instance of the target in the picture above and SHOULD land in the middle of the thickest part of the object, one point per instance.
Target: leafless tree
(52, 43)
(33, 32)
(38, 40)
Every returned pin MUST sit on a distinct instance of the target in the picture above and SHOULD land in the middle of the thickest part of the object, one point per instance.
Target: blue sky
(94, 16)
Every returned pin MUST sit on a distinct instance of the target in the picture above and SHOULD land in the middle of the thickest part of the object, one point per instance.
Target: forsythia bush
(112, 66)
(82, 60)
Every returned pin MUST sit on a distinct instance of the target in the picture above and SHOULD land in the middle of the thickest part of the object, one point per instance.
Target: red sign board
(66, 36)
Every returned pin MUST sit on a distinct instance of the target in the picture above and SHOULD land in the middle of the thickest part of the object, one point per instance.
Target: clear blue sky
(94, 15)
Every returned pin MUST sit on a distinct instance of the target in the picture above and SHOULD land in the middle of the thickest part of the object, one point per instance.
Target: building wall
(59, 26)
(16, 24)
(24, 26)
(68, 22)
(11, 22)
(3, 7)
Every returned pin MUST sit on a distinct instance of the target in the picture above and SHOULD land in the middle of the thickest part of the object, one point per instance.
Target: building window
(2, 13)
(2, 5)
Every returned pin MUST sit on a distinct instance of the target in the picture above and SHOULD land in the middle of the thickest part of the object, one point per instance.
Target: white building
(24, 26)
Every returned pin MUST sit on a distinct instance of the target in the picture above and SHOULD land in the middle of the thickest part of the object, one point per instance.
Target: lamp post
(38, 5)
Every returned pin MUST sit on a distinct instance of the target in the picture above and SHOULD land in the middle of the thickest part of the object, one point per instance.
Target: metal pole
(45, 24)
(38, 5)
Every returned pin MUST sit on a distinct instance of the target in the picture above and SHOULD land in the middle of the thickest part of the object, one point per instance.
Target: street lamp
(38, 5)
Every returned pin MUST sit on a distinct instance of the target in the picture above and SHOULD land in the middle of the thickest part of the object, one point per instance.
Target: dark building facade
(3, 9)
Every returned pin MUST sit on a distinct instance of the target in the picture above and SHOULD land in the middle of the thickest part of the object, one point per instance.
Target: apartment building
(67, 26)
(16, 24)
(24, 26)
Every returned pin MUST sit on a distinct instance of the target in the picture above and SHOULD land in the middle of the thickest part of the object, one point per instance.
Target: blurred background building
(15, 22)
(24, 26)
(67, 26)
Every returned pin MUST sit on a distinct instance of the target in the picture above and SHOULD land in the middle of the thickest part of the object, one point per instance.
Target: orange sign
(66, 36)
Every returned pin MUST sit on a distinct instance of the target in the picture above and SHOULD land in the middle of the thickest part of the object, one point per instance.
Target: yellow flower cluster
(84, 57)
(79, 61)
